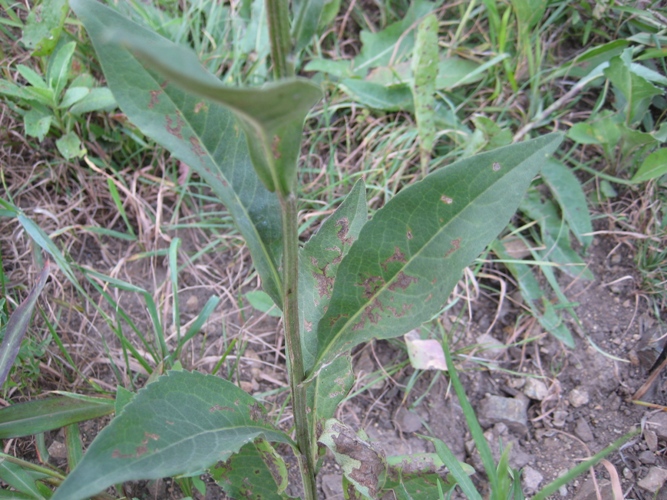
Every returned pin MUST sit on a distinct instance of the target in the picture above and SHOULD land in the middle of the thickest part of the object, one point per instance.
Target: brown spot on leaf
(398, 256)
(275, 147)
(371, 285)
(446, 199)
(342, 232)
(402, 281)
(256, 413)
(175, 128)
(199, 106)
(409, 234)
(496, 166)
(220, 408)
(324, 283)
(195, 145)
(155, 98)
(371, 461)
(456, 244)
(308, 325)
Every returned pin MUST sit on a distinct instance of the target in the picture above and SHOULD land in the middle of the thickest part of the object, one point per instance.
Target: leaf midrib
(352, 318)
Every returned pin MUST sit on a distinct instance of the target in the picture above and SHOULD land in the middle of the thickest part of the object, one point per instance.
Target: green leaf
(327, 392)
(409, 257)
(372, 95)
(654, 166)
(363, 464)
(37, 123)
(256, 471)
(58, 69)
(262, 302)
(33, 417)
(306, 22)
(394, 42)
(456, 468)
(318, 263)
(18, 325)
(532, 294)
(190, 129)
(568, 191)
(20, 479)
(44, 26)
(636, 89)
(69, 146)
(73, 95)
(528, 13)
(272, 116)
(98, 99)
(180, 424)
(425, 70)
(417, 476)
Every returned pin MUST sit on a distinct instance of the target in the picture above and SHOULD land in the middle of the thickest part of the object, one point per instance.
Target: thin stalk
(279, 34)
(293, 342)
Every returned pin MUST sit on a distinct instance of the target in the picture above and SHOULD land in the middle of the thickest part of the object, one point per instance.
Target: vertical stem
(293, 342)
(277, 12)
(281, 45)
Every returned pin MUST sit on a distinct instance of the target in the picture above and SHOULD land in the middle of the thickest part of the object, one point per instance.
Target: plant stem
(293, 341)
(279, 33)
(281, 45)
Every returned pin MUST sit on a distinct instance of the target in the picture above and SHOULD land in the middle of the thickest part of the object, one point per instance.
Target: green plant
(353, 281)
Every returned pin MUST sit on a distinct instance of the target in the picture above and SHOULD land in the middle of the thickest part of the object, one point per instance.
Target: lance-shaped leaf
(17, 326)
(200, 132)
(32, 417)
(318, 263)
(272, 116)
(409, 257)
(180, 424)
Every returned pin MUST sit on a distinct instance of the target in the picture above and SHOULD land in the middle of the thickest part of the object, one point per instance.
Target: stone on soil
(510, 411)
(531, 478)
(332, 486)
(583, 430)
(578, 397)
(535, 389)
(658, 423)
(654, 479)
(587, 491)
(408, 421)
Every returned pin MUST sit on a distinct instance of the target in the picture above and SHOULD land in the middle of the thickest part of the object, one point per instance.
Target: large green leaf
(201, 133)
(33, 417)
(180, 424)
(318, 263)
(409, 257)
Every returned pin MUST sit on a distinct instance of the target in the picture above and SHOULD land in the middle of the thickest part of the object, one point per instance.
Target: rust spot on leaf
(196, 147)
(220, 408)
(275, 147)
(402, 281)
(371, 285)
(155, 98)
(398, 256)
(409, 234)
(201, 105)
(342, 232)
(175, 128)
(456, 244)
(371, 461)
(446, 199)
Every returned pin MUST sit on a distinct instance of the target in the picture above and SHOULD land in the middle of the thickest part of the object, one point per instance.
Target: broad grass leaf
(409, 257)
(201, 133)
(24, 481)
(18, 325)
(654, 166)
(318, 263)
(418, 476)
(376, 96)
(180, 424)
(567, 189)
(456, 469)
(41, 415)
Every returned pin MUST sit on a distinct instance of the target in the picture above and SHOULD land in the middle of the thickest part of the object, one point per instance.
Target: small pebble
(578, 397)
(535, 389)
